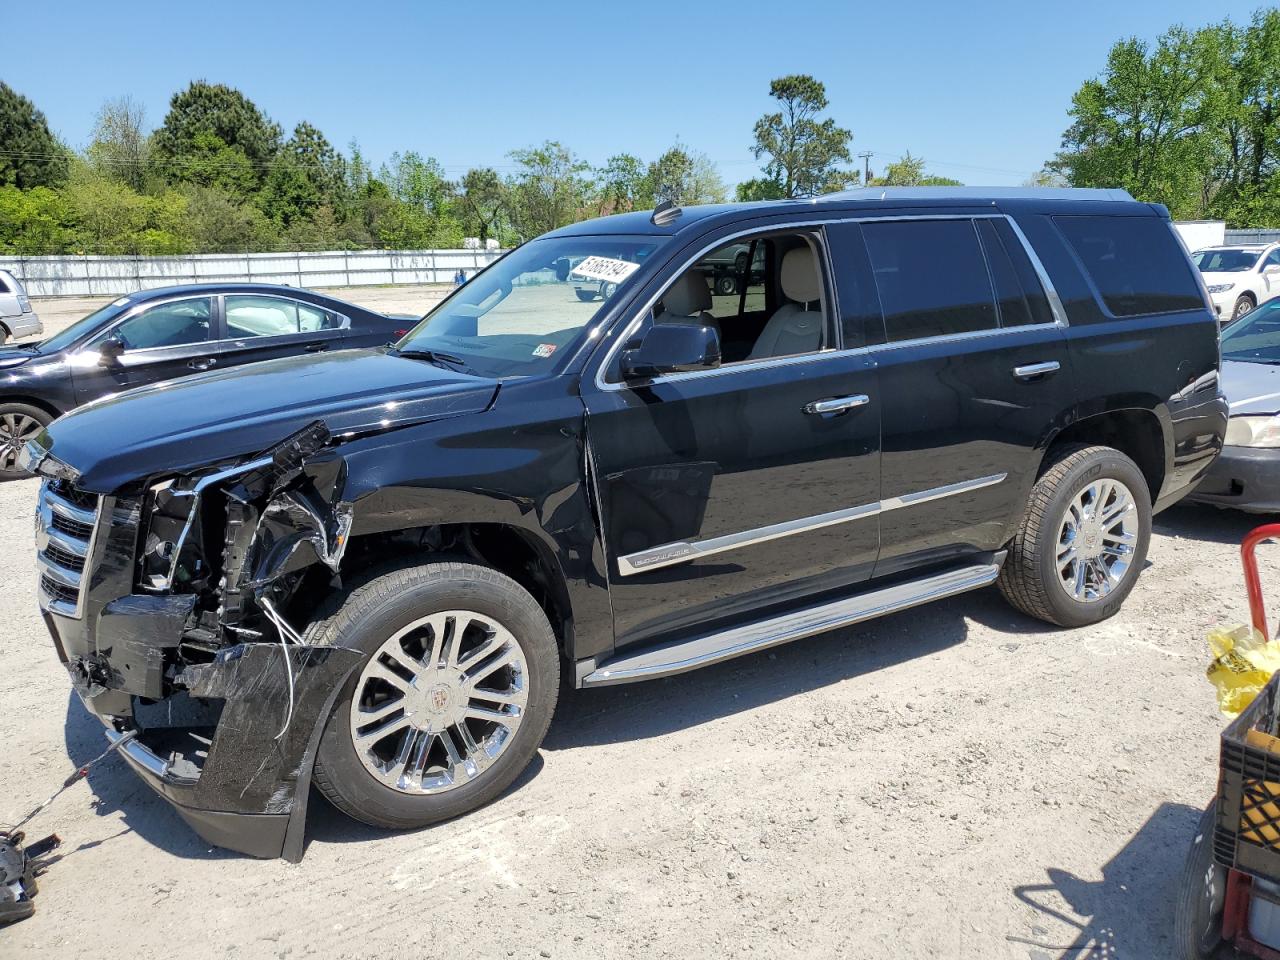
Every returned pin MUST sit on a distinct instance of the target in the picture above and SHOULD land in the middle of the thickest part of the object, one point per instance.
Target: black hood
(200, 420)
(1251, 389)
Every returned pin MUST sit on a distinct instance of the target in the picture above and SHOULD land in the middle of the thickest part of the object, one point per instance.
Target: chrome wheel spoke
(1097, 537)
(382, 731)
(438, 702)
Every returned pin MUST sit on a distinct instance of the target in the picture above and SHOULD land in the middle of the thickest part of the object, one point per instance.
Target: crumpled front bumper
(237, 763)
(1246, 478)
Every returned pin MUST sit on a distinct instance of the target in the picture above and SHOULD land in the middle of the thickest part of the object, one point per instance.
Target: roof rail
(980, 193)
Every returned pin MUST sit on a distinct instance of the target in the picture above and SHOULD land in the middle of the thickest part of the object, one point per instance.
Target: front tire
(455, 694)
(1083, 540)
(1244, 306)
(19, 422)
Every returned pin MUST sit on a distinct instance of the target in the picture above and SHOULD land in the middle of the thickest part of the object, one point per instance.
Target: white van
(17, 319)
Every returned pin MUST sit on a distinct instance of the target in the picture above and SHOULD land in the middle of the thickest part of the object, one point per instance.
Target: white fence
(106, 276)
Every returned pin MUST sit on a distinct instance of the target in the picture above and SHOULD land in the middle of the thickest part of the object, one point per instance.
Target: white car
(17, 319)
(1240, 278)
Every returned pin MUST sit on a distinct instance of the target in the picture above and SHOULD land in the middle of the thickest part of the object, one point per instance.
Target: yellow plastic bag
(1242, 664)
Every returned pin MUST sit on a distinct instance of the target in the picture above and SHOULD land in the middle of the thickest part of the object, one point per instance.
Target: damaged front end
(170, 606)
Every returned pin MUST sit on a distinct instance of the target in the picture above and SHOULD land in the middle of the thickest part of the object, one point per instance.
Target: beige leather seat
(794, 327)
(688, 300)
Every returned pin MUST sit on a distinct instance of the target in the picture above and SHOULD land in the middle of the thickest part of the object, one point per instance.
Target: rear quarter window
(1136, 263)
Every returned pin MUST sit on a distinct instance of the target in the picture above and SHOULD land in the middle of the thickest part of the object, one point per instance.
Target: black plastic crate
(1247, 833)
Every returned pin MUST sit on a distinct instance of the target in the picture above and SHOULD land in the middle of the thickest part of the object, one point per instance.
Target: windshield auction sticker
(605, 268)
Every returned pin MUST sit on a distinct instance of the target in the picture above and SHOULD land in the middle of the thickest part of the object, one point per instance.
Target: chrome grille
(66, 519)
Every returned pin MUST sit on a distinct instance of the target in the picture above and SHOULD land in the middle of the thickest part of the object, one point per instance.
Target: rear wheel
(1083, 539)
(457, 689)
(1197, 920)
(726, 284)
(19, 422)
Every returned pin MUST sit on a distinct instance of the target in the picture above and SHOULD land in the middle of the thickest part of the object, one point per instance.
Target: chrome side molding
(735, 642)
(680, 551)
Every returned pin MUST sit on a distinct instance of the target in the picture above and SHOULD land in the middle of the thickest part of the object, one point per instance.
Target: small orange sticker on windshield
(544, 349)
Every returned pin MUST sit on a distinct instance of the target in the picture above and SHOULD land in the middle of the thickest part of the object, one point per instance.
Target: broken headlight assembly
(166, 562)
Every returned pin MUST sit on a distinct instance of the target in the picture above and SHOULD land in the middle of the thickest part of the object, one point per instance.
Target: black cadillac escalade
(372, 569)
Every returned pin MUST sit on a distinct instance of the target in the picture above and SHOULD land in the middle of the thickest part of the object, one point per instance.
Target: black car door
(263, 327)
(154, 342)
(728, 491)
(973, 376)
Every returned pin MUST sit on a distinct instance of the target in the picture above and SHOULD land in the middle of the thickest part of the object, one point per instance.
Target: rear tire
(19, 422)
(1197, 918)
(1083, 540)
(422, 630)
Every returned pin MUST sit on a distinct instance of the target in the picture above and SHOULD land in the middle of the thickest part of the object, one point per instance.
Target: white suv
(17, 319)
(1241, 277)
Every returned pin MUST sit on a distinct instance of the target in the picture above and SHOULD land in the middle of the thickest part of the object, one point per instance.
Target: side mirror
(672, 348)
(109, 351)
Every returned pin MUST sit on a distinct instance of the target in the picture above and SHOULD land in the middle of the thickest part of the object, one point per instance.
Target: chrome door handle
(837, 404)
(202, 364)
(1030, 370)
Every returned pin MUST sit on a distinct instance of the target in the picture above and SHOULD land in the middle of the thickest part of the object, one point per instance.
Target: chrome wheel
(1244, 306)
(439, 702)
(1096, 540)
(15, 430)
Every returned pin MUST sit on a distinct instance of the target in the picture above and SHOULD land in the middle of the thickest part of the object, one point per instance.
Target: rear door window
(932, 278)
(1136, 263)
(1019, 294)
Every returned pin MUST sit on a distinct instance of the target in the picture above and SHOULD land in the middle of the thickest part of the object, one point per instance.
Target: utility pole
(866, 167)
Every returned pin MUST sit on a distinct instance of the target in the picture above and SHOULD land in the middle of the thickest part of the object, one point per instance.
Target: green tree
(1145, 124)
(35, 222)
(209, 123)
(909, 171)
(30, 156)
(685, 178)
(219, 222)
(121, 147)
(760, 188)
(306, 175)
(483, 199)
(551, 189)
(803, 153)
(624, 184)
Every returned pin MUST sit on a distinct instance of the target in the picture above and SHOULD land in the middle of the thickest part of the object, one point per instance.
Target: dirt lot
(955, 781)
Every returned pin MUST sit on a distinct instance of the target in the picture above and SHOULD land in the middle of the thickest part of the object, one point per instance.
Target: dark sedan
(161, 334)
(1247, 475)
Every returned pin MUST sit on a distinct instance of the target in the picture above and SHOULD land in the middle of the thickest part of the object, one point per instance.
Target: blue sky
(979, 90)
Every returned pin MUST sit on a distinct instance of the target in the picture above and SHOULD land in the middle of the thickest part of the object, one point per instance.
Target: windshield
(522, 315)
(1255, 338)
(84, 326)
(1225, 261)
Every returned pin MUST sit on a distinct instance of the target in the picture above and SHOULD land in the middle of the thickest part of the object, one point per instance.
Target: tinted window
(1019, 294)
(1136, 263)
(859, 303)
(167, 325)
(932, 278)
(4, 287)
(1273, 260)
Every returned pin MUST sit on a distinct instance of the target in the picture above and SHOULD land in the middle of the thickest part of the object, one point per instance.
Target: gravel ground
(954, 781)
(951, 781)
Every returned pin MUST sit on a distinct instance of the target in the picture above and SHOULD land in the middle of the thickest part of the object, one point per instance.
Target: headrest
(688, 296)
(800, 275)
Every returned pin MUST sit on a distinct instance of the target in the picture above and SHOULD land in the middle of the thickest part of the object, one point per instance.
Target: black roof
(153, 293)
(868, 200)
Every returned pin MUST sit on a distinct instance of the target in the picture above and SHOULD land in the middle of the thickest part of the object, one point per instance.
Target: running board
(712, 648)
